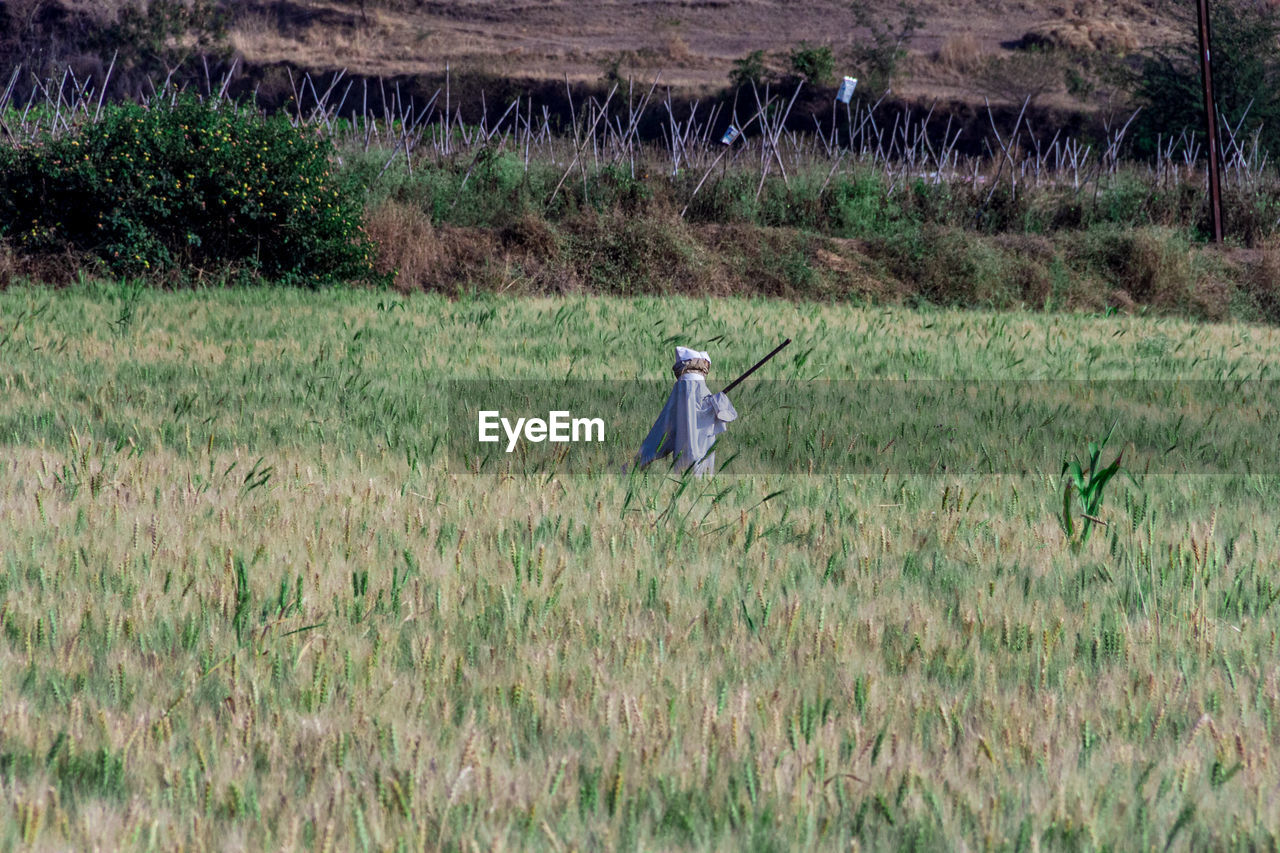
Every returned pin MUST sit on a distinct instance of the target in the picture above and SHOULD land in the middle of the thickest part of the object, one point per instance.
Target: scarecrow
(691, 419)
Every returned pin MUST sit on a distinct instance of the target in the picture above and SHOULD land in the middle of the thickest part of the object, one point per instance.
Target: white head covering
(685, 354)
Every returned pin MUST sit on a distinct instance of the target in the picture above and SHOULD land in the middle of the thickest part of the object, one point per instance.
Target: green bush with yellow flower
(187, 184)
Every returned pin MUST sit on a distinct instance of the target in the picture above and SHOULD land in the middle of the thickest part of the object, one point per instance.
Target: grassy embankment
(829, 230)
(212, 193)
(244, 605)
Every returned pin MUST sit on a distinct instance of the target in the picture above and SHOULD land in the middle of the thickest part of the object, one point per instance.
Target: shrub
(815, 64)
(860, 206)
(189, 183)
(145, 37)
(408, 251)
(1022, 76)
(1261, 280)
(959, 53)
(748, 71)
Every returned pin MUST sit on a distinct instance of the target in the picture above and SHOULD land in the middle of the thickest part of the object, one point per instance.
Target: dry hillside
(692, 42)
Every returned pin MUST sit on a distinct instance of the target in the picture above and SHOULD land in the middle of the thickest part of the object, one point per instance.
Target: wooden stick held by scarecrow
(691, 419)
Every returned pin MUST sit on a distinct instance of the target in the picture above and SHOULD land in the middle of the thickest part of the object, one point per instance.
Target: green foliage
(815, 63)
(948, 266)
(1246, 77)
(859, 206)
(1089, 485)
(748, 71)
(153, 37)
(191, 184)
(618, 253)
(862, 662)
(1078, 84)
(621, 187)
(951, 241)
(611, 70)
(876, 58)
(161, 34)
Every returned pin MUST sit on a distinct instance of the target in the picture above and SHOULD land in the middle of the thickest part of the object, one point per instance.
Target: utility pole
(1211, 121)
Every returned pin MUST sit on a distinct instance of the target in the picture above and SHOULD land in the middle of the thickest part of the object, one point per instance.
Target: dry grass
(1152, 265)
(523, 256)
(256, 33)
(1084, 35)
(407, 245)
(9, 265)
(1261, 276)
(651, 250)
(960, 54)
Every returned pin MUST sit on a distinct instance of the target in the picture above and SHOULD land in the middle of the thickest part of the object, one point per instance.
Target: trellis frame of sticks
(605, 131)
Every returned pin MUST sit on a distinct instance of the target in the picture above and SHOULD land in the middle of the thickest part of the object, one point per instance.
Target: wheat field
(247, 601)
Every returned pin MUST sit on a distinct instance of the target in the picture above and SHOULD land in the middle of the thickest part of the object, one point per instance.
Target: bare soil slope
(692, 42)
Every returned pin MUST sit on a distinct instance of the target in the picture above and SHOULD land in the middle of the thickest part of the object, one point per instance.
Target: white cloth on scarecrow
(689, 422)
(686, 354)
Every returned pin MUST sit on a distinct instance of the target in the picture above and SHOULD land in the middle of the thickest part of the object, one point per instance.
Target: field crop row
(245, 604)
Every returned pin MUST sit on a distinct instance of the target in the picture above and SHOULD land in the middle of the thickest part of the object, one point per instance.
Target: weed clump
(950, 266)
(407, 246)
(1151, 265)
(621, 254)
(187, 184)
